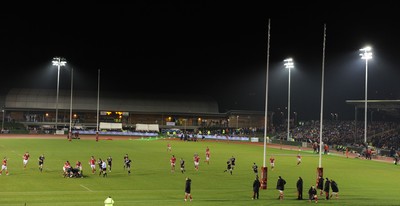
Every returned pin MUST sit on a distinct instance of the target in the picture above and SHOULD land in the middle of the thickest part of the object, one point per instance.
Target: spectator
(299, 186)
(188, 186)
(280, 185)
(327, 188)
(335, 189)
(312, 194)
(256, 188)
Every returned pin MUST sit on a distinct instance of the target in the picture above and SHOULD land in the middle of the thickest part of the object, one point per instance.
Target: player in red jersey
(78, 166)
(196, 160)
(207, 155)
(173, 161)
(272, 162)
(298, 159)
(25, 159)
(92, 163)
(4, 166)
(169, 147)
(66, 168)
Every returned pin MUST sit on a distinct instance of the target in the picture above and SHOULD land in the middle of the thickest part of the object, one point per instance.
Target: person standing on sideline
(312, 194)
(327, 187)
(4, 166)
(109, 201)
(299, 186)
(256, 188)
(280, 185)
(335, 189)
(25, 159)
(326, 148)
(255, 168)
(182, 165)
(272, 162)
(173, 162)
(320, 184)
(41, 161)
(109, 161)
(188, 186)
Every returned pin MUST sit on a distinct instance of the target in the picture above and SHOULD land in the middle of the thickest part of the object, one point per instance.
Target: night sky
(208, 48)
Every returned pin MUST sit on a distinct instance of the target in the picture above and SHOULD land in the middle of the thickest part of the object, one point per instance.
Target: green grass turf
(361, 182)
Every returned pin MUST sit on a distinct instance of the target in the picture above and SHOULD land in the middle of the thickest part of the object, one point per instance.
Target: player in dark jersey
(109, 161)
(233, 162)
(128, 165)
(41, 162)
(228, 167)
(125, 158)
(182, 162)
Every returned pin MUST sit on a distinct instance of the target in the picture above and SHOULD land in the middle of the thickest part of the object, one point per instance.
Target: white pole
(288, 111)
(366, 100)
(2, 123)
(366, 54)
(266, 98)
(58, 88)
(98, 100)
(322, 100)
(70, 105)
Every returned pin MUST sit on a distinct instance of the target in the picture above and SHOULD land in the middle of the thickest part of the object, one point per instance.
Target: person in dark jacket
(320, 184)
(312, 194)
(327, 187)
(188, 185)
(299, 186)
(256, 188)
(335, 189)
(280, 185)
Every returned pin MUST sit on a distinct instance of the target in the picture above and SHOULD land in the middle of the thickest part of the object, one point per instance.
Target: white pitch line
(87, 188)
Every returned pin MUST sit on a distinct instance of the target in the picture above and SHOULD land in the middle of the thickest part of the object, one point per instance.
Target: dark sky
(204, 47)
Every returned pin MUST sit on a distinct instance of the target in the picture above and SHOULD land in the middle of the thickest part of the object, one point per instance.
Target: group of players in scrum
(68, 170)
(102, 165)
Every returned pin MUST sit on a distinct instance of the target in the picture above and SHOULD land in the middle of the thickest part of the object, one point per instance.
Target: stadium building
(36, 110)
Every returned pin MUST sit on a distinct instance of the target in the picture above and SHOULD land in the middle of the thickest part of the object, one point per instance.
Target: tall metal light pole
(98, 105)
(288, 65)
(70, 105)
(59, 62)
(2, 123)
(366, 54)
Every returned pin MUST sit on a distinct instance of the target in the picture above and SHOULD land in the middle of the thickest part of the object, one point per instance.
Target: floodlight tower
(366, 54)
(59, 62)
(288, 65)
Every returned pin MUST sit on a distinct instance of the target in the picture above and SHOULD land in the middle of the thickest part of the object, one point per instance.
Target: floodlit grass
(361, 182)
